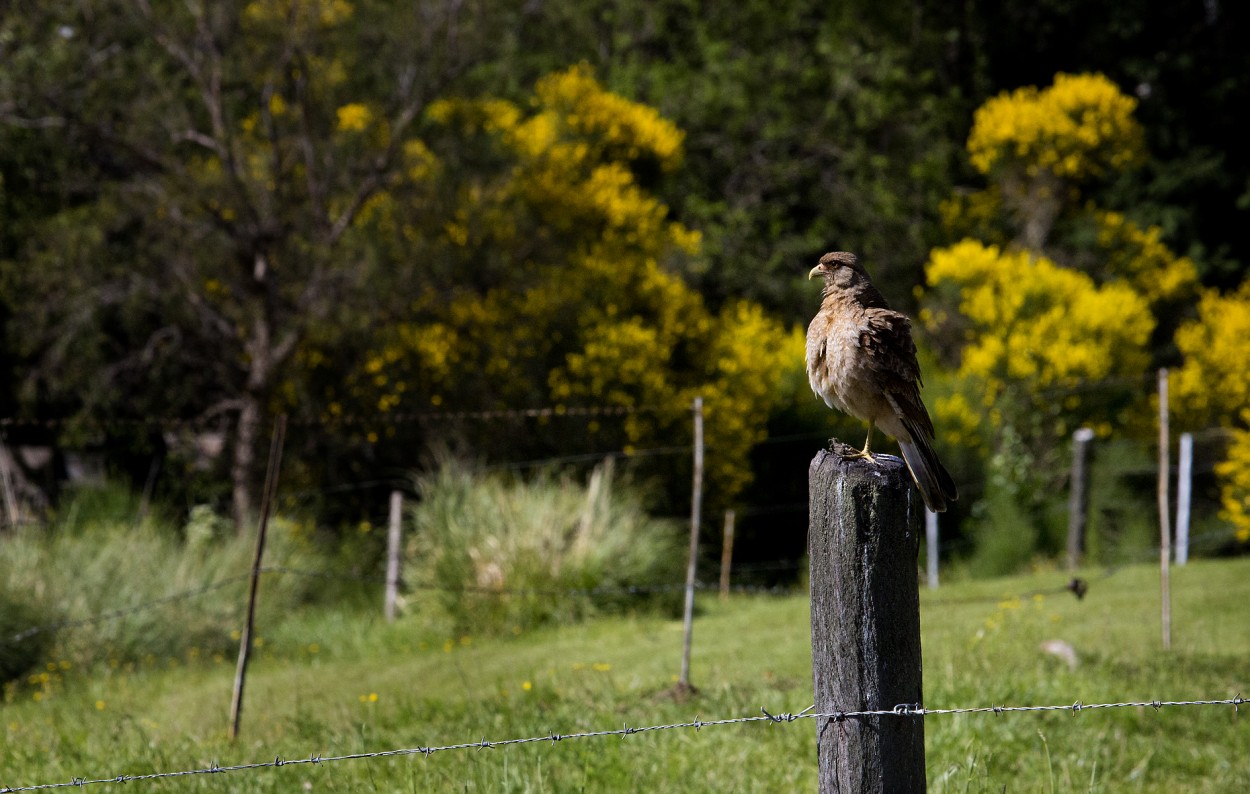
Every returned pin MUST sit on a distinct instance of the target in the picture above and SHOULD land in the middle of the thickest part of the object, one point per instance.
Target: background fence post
(1184, 496)
(1165, 533)
(726, 555)
(245, 638)
(865, 623)
(392, 554)
(931, 548)
(7, 464)
(696, 506)
(1078, 497)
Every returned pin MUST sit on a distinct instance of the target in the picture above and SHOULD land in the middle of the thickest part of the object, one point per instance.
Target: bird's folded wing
(886, 338)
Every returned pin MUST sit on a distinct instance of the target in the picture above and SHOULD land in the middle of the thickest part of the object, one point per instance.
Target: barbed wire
(399, 417)
(122, 612)
(605, 590)
(902, 710)
(1078, 586)
(618, 589)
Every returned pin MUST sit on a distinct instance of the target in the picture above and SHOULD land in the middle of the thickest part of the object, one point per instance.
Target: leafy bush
(21, 649)
(499, 553)
(133, 591)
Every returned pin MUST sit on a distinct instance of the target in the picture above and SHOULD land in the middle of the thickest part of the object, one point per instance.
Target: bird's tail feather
(934, 481)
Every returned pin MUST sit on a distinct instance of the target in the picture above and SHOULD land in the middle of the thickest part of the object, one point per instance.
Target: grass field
(333, 682)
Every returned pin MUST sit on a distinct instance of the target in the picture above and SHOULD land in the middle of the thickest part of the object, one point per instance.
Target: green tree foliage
(196, 225)
(809, 127)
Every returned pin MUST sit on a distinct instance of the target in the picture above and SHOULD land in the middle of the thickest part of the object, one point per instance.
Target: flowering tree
(1050, 331)
(1213, 387)
(1038, 146)
(560, 294)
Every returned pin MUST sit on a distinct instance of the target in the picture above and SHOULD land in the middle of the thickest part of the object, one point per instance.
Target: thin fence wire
(1077, 586)
(606, 590)
(216, 422)
(903, 710)
(123, 612)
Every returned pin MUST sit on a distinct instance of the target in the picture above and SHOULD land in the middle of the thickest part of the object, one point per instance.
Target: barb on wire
(905, 710)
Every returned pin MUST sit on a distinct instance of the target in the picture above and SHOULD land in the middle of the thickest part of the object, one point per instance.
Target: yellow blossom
(1081, 126)
(354, 117)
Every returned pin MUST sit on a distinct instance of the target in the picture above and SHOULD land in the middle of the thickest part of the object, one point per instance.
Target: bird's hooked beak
(818, 269)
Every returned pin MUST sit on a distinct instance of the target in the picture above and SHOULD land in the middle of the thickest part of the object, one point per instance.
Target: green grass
(336, 682)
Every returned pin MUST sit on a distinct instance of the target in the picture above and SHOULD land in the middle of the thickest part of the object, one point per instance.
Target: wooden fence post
(245, 638)
(7, 464)
(1165, 533)
(696, 507)
(1078, 497)
(726, 555)
(1184, 496)
(865, 623)
(392, 555)
(931, 548)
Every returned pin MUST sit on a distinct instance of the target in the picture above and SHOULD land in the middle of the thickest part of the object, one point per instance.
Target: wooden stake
(245, 640)
(1184, 491)
(1078, 497)
(1165, 533)
(865, 623)
(726, 555)
(392, 555)
(931, 547)
(696, 506)
(7, 464)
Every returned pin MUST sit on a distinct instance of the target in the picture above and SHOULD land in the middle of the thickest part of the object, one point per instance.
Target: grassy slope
(752, 652)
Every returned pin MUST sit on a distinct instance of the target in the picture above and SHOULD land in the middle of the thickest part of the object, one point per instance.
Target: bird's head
(839, 268)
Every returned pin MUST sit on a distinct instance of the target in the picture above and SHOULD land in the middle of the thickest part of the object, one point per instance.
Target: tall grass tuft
(502, 553)
(116, 589)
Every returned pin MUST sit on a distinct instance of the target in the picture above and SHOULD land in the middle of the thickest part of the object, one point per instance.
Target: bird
(861, 360)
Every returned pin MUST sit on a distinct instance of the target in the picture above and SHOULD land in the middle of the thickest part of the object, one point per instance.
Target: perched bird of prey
(861, 360)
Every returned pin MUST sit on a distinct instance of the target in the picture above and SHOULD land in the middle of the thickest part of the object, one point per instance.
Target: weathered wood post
(1165, 530)
(1184, 492)
(394, 528)
(249, 624)
(726, 555)
(696, 509)
(865, 623)
(1078, 497)
(931, 548)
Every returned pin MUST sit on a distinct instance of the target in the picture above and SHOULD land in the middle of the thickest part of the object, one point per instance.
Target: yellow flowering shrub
(1234, 474)
(623, 130)
(1213, 388)
(1031, 325)
(1080, 127)
(575, 304)
(1141, 258)
(298, 14)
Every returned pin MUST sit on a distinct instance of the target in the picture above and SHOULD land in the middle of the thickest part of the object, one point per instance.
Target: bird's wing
(886, 339)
